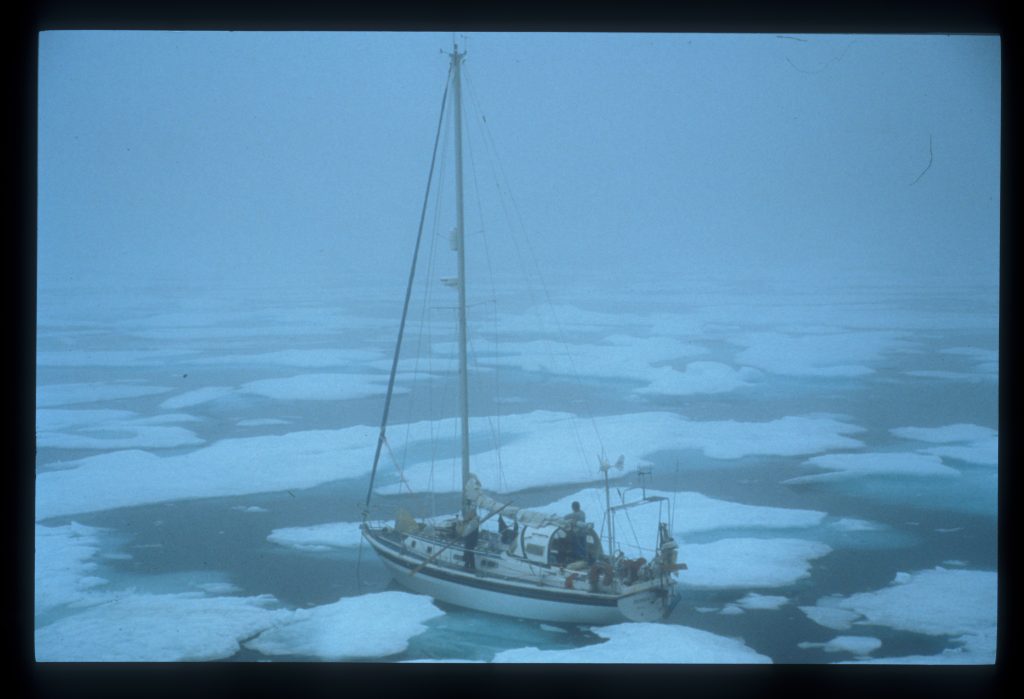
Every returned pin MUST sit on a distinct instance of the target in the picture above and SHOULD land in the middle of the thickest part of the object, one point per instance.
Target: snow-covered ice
(321, 387)
(624, 357)
(960, 432)
(304, 358)
(842, 466)
(644, 643)
(141, 627)
(974, 377)
(749, 562)
(857, 645)
(754, 600)
(57, 419)
(843, 354)
(694, 512)
(318, 537)
(697, 377)
(834, 618)
(109, 358)
(64, 564)
(196, 397)
(112, 429)
(984, 452)
(965, 442)
(353, 628)
(531, 439)
(270, 463)
(120, 435)
(938, 602)
(54, 395)
(230, 467)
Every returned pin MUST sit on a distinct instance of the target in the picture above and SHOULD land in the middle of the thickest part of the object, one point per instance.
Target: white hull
(519, 599)
(502, 603)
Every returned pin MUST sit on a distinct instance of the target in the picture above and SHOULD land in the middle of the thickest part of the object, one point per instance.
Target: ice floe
(974, 377)
(196, 397)
(694, 512)
(95, 622)
(109, 358)
(53, 395)
(697, 377)
(755, 601)
(555, 318)
(964, 442)
(852, 524)
(844, 354)
(318, 537)
(983, 452)
(140, 627)
(268, 463)
(219, 588)
(841, 466)
(959, 432)
(321, 387)
(623, 357)
(857, 645)
(56, 419)
(305, 358)
(126, 435)
(939, 602)
(749, 562)
(531, 439)
(353, 628)
(64, 564)
(644, 643)
(830, 617)
(99, 623)
(985, 368)
(111, 429)
(238, 466)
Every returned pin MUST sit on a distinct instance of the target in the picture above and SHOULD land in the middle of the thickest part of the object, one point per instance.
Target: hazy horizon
(281, 158)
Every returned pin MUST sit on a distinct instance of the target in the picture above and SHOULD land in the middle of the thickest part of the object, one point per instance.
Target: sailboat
(495, 557)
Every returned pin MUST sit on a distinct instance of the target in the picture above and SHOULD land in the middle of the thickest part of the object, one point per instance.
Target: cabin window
(488, 563)
(430, 549)
(535, 549)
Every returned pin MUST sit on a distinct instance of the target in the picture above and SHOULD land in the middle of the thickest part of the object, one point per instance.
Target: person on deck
(577, 532)
(470, 535)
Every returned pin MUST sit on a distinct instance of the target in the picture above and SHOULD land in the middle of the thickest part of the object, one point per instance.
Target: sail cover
(523, 516)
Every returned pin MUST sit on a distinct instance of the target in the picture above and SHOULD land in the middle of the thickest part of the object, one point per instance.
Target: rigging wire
(495, 424)
(427, 285)
(506, 191)
(405, 308)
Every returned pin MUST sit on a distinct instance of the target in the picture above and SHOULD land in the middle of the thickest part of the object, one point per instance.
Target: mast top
(455, 54)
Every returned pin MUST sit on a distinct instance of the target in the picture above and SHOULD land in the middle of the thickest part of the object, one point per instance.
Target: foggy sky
(287, 158)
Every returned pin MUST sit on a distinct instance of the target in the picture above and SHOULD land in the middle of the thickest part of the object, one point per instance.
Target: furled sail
(530, 518)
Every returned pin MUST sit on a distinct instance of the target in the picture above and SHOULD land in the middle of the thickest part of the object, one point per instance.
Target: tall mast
(467, 506)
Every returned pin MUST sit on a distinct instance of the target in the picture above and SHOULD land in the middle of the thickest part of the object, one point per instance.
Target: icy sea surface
(831, 453)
